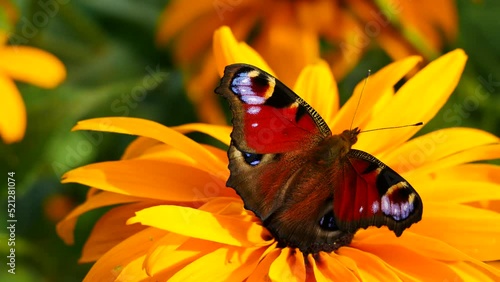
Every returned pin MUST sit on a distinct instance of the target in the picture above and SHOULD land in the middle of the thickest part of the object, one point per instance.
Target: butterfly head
(350, 135)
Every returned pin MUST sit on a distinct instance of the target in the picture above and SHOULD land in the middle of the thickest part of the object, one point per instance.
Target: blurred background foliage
(108, 48)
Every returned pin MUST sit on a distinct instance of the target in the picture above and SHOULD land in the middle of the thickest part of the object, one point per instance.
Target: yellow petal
(429, 148)
(229, 51)
(151, 179)
(317, 87)
(112, 229)
(173, 252)
(472, 230)
(219, 132)
(419, 99)
(66, 226)
(224, 264)
(146, 128)
(371, 267)
(471, 173)
(480, 153)
(457, 191)
(109, 266)
(288, 266)
(32, 65)
(261, 272)
(376, 85)
(133, 271)
(466, 172)
(203, 225)
(12, 111)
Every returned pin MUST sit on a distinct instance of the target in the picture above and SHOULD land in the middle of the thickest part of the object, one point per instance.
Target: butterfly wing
(271, 160)
(369, 193)
(268, 117)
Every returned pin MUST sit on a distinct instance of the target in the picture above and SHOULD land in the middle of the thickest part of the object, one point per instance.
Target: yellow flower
(193, 228)
(292, 34)
(26, 64)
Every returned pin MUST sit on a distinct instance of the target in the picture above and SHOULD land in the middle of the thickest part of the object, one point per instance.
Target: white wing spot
(375, 207)
(253, 110)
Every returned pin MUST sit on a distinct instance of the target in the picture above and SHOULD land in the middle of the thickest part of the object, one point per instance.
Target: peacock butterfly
(309, 188)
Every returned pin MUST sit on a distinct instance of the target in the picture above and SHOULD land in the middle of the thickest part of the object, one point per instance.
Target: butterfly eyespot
(252, 159)
(327, 222)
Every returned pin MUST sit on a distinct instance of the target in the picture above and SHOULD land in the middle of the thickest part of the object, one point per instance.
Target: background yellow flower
(26, 64)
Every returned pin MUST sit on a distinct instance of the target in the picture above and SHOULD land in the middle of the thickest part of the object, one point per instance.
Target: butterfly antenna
(360, 95)
(392, 127)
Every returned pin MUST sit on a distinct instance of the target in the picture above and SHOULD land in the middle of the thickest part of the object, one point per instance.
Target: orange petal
(112, 229)
(219, 132)
(371, 267)
(109, 266)
(146, 128)
(12, 111)
(273, 42)
(66, 226)
(32, 65)
(495, 264)
(177, 15)
(137, 147)
(161, 152)
(228, 51)
(224, 264)
(151, 179)
(469, 272)
(207, 105)
(317, 87)
(327, 268)
(472, 230)
(425, 246)
(433, 146)
(419, 99)
(410, 262)
(377, 84)
(203, 225)
(288, 266)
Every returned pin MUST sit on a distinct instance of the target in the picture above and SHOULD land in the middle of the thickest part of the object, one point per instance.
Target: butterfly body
(307, 185)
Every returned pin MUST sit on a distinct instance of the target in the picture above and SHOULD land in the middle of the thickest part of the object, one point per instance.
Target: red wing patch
(268, 117)
(367, 192)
